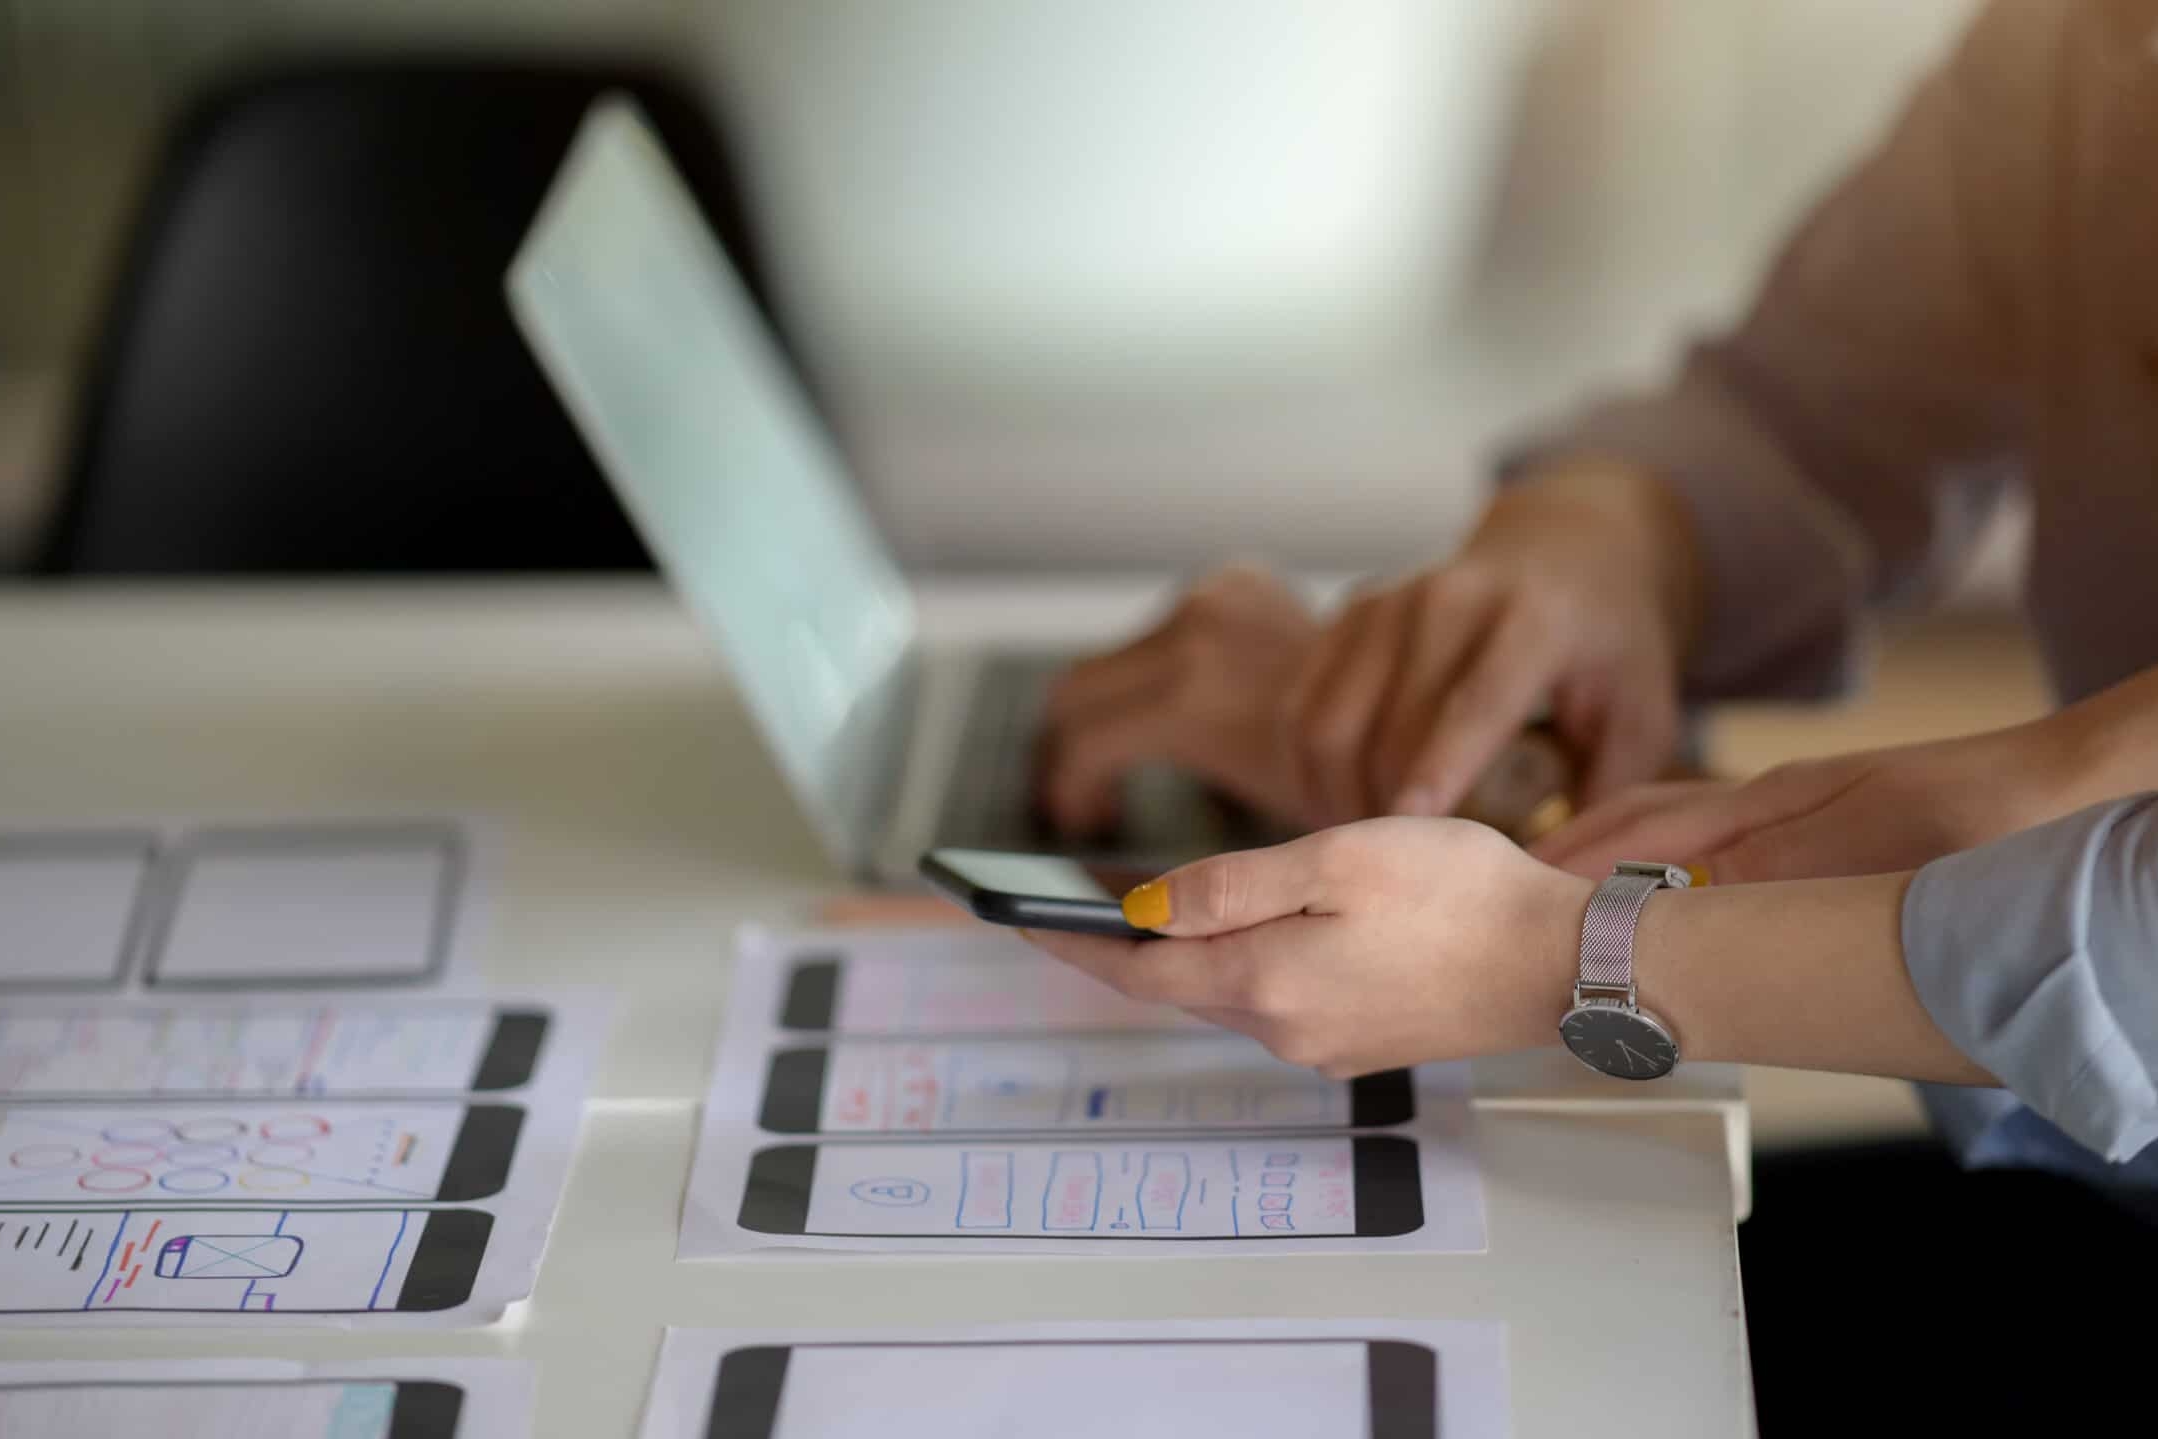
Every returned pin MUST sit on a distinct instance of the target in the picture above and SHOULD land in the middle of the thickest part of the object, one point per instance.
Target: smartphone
(296, 1409)
(239, 1261)
(1255, 1389)
(1195, 1083)
(342, 1048)
(1267, 1187)
(1036, 891)
(407, 1151)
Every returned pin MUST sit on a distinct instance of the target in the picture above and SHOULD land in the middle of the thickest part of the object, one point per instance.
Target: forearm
(2102, 748)
(1806, 975)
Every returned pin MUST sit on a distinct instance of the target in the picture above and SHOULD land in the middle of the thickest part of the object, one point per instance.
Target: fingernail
(1147, 907)
(1415, 801)
(1699, 874)
(1546, 817)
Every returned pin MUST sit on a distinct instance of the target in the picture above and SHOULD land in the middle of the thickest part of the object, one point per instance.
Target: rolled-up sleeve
(1842, 445)
(2037, 956)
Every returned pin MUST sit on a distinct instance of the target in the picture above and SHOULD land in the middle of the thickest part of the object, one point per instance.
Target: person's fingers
(1231, 892)
(1334, 713)
(1494, 698)
(1638, 736)
(1622, 812)
(1449, 615)
(1191, 974)
(1083, 762)
(1114, 677)
(1319, 708)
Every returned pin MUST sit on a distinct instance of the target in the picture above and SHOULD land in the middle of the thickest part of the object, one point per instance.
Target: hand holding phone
(1036, 891)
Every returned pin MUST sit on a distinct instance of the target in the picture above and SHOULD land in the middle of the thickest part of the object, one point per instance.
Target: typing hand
(1202, 690)
(1868, 813)
(1574, 592)
(1366, 947)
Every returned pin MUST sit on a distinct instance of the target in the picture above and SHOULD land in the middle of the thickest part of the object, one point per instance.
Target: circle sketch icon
(194, 1181)
(272, 1179)
(152, 1132)
(113, 1181)
(281, 1156)
(196, 1156)
(127, 1156)
(891, 1193)
(209, 1130)
(44, 1156)
(294, 1128)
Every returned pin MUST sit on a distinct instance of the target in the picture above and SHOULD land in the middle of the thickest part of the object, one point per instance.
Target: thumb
(1227, 892)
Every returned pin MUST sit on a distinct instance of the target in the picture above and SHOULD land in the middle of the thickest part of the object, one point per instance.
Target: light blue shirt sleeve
(2038, 956)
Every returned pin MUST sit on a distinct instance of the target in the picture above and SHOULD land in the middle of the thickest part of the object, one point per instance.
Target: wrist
(1555, 957)
(1640, 518)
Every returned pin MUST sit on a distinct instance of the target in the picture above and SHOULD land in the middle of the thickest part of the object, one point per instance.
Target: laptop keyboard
(989, 797)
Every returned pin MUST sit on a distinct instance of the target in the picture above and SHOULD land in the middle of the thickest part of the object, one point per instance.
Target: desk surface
(640, 824)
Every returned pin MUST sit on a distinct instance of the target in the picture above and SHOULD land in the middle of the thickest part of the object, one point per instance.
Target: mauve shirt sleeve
(1842, 446)
(2038, 956)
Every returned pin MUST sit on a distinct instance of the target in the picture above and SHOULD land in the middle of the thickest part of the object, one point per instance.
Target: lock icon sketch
(891, 1193)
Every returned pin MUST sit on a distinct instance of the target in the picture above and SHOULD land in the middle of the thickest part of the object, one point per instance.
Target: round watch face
(1623, 1043)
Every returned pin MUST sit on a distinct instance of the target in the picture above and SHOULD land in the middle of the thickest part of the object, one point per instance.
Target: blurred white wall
(1121, 281)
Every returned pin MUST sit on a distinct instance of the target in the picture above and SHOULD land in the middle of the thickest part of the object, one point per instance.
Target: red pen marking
(127, 1253)
(150, 1236)
(131, 1275)
(404, 1150)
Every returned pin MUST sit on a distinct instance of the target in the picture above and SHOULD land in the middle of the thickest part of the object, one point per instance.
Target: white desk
(641, 824)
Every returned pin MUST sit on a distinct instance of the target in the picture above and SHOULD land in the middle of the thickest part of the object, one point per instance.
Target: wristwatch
(1607, 1029)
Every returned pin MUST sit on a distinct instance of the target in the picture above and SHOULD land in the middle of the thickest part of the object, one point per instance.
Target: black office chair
(308, 365)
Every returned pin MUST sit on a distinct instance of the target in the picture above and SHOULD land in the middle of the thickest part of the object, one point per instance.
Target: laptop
(654, 344)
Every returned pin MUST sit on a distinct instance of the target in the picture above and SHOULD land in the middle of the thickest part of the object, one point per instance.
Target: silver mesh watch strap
(1607, 926)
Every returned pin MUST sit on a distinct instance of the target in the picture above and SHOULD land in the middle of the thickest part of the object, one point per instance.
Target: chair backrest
(308, 365)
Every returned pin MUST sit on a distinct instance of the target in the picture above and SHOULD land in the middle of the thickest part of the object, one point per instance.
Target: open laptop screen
(655, 346)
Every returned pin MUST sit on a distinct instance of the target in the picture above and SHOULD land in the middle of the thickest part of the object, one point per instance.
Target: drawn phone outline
(795, 1078)
(144, 845)
(317, 840)
(482, 1153)
(1385, 1169)
(1401, 1379)
(419, 1408)
(444, 1267)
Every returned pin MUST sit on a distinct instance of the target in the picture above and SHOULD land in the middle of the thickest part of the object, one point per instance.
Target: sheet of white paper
(269, 1399)
(409, 1211)
(1257, 1379)
(69, 903)
(276, 904)
(325, 1046)
(1181, 1139)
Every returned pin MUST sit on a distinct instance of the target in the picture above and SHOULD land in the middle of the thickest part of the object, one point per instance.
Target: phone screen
(317, 1261)
(274, 1153)
(1271, 1188)
(1196, 1083)
(1040, 876)
(300, 1409)
(1256, 1390)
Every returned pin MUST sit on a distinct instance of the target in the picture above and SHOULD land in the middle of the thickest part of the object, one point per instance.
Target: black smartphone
(239, 1261)
(349, 1408)
(293, 1155)
(1036, 891)
(1268, 1187)
(1131, 1083)
(1383, 1388)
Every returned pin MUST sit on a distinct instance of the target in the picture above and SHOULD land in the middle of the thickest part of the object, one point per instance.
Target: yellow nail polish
(1147, 907)
(1699, 874)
